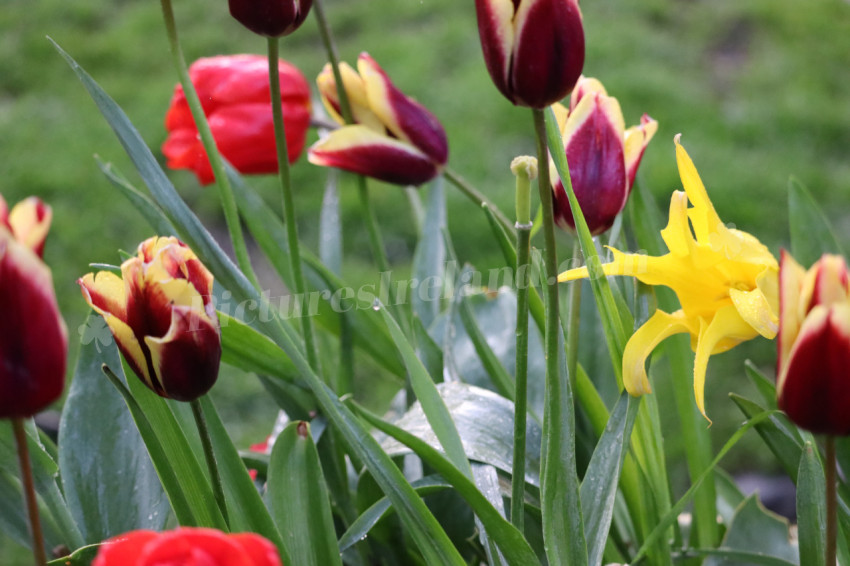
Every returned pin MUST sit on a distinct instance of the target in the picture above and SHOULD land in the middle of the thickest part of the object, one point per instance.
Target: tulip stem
(225, 191)
(288, 201)
(831, 503)
(333, 58)
(521, 385)
(38, 552)
(209, 454)
(477, 197)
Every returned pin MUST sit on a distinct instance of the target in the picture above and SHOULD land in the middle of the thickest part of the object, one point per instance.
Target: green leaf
(782, 437)
(764, 385)
(599, 488)
(429, 259)
(81, 557)
(485, 423)
(499, 376)
(249, 350)
(107, 475)
(487, 481)
(811, 508)
(298, 499)
(381, 508)
(758, 533)
(811, 233)
(429, 398)
(510, 541)
(145, 206)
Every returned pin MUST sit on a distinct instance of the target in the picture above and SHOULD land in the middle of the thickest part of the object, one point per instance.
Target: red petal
(816, 390)
(33, 338)
(124, 550)
(193, 547)
(261, 551)
(496, 32)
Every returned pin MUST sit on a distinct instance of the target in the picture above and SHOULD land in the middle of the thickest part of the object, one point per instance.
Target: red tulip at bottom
(187, 547)
(234, 92)
(33, 337)
(813, 380)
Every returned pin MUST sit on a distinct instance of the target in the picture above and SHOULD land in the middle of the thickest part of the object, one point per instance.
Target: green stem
(831, 503)
(333, 58)
(521, 389)
(477, 197)
(288, 201)
(38, 552)
(574, 327)
(209, 454)
(225, 191)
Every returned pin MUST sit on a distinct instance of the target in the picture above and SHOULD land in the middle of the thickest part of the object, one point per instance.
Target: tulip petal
(355, 89)
(726, 330)
(361, 150)
(188, 354)
(660, 325)
(124, 549)
(33, 337)
(585, 86)
(812, 387)
(496, 29)
(548, 51)
(197, 546)
(635, 141)
(405, 118)
(703, 216)
(260, 550)
(106, 293)
(759, 306)
(30, 222)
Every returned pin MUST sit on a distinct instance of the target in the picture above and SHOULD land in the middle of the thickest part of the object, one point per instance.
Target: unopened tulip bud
(162, 317)
(813, 386)
(29, 222)
(534, 49)
(271, 18)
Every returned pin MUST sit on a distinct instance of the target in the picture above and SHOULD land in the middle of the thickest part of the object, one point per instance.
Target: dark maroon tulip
(271, 18)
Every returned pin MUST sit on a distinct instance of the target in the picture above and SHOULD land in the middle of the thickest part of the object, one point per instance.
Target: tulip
(395, 139)
(234, 93)
(162, 317)
(271, 18)
(603, 156)
(812, 383)
(725, 279)
(534, 49)
(187, 546)
(33, 337)
(29, 222)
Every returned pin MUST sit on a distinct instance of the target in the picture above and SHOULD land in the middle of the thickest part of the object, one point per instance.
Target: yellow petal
(726, 330)
(758, 307)
(703, 215)
(660, 325)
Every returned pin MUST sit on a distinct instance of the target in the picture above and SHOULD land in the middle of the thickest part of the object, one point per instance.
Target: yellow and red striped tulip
(603, 156)
(29, 222)
(395, 139)
(813, 384)
(33, 337)
(534, 49)
(161, 313)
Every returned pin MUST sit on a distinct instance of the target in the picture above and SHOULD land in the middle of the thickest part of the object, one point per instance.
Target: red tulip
(162, 317)
(234, 92)
(395, 139)
(603, 156)
(187, 546)
(812, 384)
(534, 49)
(29, 222)
(33, 337)
(271, 18)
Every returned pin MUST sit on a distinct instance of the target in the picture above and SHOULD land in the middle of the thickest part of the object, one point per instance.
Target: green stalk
(831, 503)
(225, 191)
(477, 197)
(288, 201)
(525, 169)
(38, 553)
(209, 454)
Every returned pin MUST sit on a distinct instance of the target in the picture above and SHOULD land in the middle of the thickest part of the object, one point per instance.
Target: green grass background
(760, 91)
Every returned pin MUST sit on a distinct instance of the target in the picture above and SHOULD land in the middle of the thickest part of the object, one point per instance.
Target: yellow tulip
(725, 279)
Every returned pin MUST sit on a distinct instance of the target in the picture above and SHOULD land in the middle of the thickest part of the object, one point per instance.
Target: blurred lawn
(758, 89)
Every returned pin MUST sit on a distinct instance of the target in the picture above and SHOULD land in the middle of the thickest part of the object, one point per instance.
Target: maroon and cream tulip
(33, 337)
(161, 313)
(813, 384)
(29, 222)
(534, 49)
(271, 18)
(603, 156)
(394, 139)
